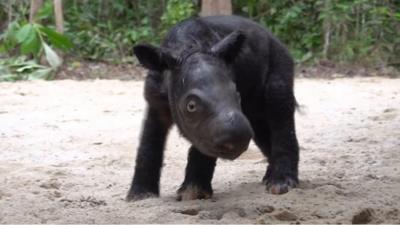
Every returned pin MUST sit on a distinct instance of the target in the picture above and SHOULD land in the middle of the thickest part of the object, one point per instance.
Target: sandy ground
(67, 152)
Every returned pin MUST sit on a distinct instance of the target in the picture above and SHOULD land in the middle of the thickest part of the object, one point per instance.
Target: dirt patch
(68, 149)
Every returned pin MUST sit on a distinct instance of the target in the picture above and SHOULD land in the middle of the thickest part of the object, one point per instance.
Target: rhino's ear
(153, 58)
(229, 47)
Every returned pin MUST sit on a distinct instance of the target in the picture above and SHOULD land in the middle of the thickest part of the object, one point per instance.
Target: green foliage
(20, 68)
(8, 39)
(23, 44)
(177, 10)
(28, 39)
(56, 39)
(358, 31)
(32, 38)
(107, 30)
(361, 31)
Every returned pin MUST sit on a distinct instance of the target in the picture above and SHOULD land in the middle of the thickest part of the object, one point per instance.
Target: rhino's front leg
(149, 157)
(199, 173)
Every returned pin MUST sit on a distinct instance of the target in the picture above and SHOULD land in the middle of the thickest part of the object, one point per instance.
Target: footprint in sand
(363, 217)
(387, 114)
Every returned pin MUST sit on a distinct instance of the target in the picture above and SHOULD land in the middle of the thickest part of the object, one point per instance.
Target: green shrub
(23, 44)
(359, 31)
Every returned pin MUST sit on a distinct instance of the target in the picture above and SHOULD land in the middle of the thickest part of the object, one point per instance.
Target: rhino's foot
(280, 187)
(192, 192)
(278, 183)
(138, 193)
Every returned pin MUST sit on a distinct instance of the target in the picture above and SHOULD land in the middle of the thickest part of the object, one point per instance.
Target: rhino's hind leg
(280, 182)
(281, 148)
(199, 173)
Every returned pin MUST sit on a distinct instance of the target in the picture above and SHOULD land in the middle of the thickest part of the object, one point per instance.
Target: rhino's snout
(233, 136)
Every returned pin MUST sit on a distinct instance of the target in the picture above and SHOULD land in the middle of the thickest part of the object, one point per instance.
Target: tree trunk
(9, 12)
(35, 6)
(216, 7)
(327, 38)
(58, 13)
(327, 26)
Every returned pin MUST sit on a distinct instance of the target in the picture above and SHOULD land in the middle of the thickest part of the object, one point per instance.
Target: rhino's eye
(191, 106)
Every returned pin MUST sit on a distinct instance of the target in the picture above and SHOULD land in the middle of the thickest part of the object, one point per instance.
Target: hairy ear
(229, 47)
(153, 58)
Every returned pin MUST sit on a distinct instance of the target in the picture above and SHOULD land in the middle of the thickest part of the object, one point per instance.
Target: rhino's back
(207, 31)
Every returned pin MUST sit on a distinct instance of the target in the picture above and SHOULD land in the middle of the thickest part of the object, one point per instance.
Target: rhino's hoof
(137, 193)
(193, 192)
(280, 186)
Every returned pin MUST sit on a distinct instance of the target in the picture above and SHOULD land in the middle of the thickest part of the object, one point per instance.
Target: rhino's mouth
(226, 151)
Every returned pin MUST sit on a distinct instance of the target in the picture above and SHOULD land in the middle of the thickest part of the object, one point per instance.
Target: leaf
(13, 69)
(31, 45)
(306, 57)
(20, 63)
(41, 74)
(26, 67)
(45, 12)
(58, 40)
(2, 48)
(8, 38)
(51, 56)
(26, 32)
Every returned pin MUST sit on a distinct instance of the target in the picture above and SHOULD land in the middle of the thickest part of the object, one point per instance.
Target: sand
(67, 151)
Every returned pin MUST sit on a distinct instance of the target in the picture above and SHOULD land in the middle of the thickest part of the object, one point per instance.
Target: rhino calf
(223, 80)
